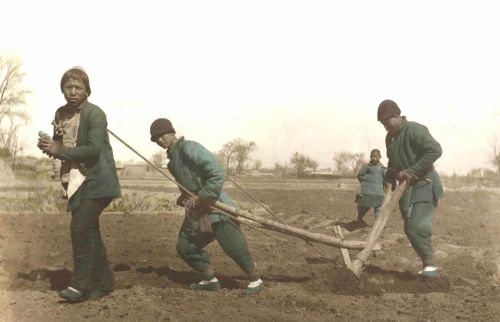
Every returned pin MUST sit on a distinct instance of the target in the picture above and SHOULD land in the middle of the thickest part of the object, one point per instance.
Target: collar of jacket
(171, 150)
(401, 127)
(84, 103)
(80, 107)
(375, 165)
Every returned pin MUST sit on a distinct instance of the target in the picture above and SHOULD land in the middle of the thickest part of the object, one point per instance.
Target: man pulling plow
(198, 171)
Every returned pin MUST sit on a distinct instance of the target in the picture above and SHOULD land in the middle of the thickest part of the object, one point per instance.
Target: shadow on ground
(58, 279)
(377, 281)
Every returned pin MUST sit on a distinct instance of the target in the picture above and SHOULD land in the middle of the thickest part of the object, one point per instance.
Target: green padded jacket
(197, 170)
(414, 150)
(94, 152)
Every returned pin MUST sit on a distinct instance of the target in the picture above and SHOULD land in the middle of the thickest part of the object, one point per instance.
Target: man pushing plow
(412, 151)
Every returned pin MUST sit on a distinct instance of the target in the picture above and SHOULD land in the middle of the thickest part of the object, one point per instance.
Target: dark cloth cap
(76, 72)
(160, 127)
(387, 109)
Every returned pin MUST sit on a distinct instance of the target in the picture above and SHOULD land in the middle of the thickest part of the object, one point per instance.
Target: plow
(365, 247)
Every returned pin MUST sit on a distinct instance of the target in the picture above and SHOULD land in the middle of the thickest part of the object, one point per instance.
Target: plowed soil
(303, 283)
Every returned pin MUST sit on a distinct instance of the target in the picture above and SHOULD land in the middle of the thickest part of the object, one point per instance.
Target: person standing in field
(412, 151)
(371, 192)
(197, 170)
(88, 174)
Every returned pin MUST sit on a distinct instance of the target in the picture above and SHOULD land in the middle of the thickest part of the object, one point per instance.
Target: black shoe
(97, 294)
(255, 289)
(71, 294)
(205, 286)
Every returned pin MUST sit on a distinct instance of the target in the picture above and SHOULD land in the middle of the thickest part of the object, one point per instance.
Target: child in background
(371, 192)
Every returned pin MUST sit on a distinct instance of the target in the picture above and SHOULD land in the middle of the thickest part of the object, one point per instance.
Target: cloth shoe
(254, 287)
(97, 294)
(211, 285)
(428, 272)
(71, 294)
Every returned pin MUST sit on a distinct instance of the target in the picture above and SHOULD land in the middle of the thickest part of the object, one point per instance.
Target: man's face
(166, 140)
(392, 123)
(374, 158)
(74, 92)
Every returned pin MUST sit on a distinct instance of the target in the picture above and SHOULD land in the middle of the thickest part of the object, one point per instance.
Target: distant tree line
(235, 156)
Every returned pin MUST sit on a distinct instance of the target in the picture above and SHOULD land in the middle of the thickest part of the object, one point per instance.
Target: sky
(293, 76)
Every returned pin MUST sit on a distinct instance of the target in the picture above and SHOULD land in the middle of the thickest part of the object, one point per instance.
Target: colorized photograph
(249, 161)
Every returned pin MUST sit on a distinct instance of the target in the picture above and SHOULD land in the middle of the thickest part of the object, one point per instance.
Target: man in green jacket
(88, 173)
(371, 193)
(412, 151)
(197, 170)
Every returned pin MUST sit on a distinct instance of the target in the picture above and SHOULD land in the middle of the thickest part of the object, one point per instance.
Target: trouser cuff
(253, 275)
(429, 261)
(208, 274)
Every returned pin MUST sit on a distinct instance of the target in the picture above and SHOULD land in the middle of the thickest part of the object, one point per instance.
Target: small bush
(139, 201)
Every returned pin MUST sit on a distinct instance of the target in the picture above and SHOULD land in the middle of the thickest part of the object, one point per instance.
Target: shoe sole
(74, 300)
(83, 299)
(98, 296)
(429, 275)
(195, 287)
(253, 290)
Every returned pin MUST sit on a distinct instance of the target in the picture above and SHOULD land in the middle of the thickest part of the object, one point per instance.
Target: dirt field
(302, 283)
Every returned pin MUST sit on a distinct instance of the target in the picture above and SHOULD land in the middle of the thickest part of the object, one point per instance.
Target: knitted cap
(387, 109)
(160, 127)
(76, 72)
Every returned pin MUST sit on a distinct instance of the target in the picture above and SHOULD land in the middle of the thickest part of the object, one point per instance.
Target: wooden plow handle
(391, 201)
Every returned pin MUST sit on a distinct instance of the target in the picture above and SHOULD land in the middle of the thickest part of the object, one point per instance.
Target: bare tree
(348, 163)
(243, 150)
(495, 157)
(341, 160)
(236, 152)
(12, 103)
(159, 158)
(257, 165)
(301, 162)
(226, 155)
(313, 165)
